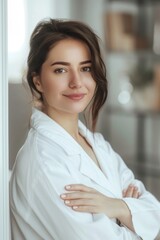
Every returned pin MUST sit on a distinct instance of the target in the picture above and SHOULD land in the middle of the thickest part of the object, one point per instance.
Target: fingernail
(68, 187)
(75, 207)
(63, 196)
(67, 202)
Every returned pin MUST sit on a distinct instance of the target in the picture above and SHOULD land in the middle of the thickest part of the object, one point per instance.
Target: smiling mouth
(75, 96)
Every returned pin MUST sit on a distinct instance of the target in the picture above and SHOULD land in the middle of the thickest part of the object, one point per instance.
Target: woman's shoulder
(36, 153)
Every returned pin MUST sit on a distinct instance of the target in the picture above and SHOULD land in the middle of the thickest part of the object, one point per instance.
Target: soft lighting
(16, 25)
(124, 97)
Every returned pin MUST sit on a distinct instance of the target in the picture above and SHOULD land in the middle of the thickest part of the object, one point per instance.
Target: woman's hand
(131, 191)
(85, 199)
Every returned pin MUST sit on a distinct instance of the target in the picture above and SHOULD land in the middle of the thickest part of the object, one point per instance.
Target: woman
(67, 182)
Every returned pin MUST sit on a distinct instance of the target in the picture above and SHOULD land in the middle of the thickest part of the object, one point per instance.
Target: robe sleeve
(145, 210)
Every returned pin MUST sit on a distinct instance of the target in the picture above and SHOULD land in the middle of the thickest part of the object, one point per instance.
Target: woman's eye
(86, 69)
(59, 70)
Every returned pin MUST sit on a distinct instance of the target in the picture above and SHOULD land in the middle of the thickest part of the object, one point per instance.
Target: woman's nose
(75, 81)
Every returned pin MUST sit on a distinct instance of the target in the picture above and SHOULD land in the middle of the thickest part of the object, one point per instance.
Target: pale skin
(85, 199)
(67, 86)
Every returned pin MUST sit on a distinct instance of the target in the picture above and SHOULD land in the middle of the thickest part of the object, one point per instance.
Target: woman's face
(65, 79)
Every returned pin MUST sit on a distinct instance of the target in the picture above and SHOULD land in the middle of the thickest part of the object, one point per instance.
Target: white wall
(32, 13)
(4, 198)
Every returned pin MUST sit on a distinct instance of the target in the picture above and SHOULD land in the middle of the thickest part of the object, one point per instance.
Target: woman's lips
(78, 96)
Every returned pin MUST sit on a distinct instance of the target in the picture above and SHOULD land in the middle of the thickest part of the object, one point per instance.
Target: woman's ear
(37, 83)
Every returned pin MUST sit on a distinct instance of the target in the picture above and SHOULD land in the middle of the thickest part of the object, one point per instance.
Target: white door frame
(4, 196)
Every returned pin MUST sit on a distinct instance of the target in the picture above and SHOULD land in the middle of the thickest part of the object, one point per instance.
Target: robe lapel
(91, 170)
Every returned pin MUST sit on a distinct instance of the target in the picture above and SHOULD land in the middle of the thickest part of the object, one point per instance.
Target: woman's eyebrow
(85, 62)
(68, 64)
(60, 63)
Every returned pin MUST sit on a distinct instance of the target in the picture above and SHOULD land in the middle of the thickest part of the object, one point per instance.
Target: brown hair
(46, 34)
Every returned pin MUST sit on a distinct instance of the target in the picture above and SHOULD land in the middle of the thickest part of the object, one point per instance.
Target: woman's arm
(145, 210)
(85, 199)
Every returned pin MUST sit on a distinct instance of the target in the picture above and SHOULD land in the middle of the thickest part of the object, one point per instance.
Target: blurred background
(130, 34)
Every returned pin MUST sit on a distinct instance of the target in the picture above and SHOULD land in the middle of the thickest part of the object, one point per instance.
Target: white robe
(49, 160)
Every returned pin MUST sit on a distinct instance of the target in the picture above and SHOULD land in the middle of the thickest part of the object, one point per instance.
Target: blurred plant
(141, 76)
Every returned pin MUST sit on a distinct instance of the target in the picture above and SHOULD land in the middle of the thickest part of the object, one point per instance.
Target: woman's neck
(68, 121)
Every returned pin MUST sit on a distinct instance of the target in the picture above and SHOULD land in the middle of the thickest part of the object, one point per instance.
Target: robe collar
(52, 130)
